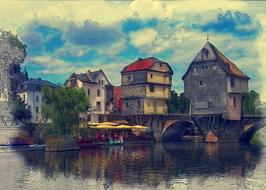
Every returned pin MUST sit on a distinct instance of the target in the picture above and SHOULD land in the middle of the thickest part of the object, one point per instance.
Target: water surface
(159, 166)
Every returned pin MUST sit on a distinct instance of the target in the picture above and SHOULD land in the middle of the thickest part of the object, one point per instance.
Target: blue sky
(66, 37)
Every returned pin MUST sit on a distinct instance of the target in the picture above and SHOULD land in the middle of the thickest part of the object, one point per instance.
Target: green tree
(251, 102)
(63, 106)
(20, 112)
(178, 104)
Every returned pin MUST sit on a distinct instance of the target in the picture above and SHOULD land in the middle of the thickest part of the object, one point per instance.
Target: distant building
(146, 86)
(97, 87)
(30, 91)
(215, 85)
(118, 103)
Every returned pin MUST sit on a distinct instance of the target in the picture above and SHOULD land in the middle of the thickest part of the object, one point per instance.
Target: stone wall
(205, 86)
(12, 54)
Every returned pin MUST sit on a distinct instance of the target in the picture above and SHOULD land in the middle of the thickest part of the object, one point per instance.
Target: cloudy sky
(72, 36)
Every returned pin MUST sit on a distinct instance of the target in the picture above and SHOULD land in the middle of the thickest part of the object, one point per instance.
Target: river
(177, 166)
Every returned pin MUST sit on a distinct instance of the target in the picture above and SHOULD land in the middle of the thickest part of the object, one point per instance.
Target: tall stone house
(215, 85)
(30, 91)
(146, 86)
(97, 87)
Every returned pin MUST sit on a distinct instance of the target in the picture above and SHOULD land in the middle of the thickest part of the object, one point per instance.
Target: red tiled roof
(141, 64)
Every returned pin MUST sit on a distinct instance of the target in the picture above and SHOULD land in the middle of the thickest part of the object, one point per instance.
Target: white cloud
(143, 37)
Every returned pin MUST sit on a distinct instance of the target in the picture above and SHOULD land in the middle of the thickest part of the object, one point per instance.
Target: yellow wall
(161, 78)
(159, 91)
(160, 67)
(155, 107)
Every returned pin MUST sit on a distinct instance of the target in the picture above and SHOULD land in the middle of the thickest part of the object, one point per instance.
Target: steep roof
(89, 77)
(34, 85)
(82, 77)
(143, 64)
(232, 68)
(229, 67)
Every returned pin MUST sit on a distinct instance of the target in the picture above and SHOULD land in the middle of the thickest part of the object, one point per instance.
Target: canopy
(104, 126)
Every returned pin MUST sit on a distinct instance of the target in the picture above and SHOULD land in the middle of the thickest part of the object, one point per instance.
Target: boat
(19, 148)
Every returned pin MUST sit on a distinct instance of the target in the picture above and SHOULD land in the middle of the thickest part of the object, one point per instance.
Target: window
(232, 81)
(98, 92)
(89, 92)
(37, 109)
(152, 88)
(126, 104)
(206, 53)
(200, 83)
(214, 67)
(24, 97)
(37, 98)
(102, 81)
(139, 103)
(194, 69)
(234, 100)
(37, 118)
(128, 78)
(151, 76)
(98, 106)
(21, 86)
(161, 64)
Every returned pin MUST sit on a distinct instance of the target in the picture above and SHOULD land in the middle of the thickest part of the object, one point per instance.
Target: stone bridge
(177, 126)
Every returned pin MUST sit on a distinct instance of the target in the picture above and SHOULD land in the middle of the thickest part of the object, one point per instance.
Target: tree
(20, 112)
(178, 104)
(251, 102)
(63, 106)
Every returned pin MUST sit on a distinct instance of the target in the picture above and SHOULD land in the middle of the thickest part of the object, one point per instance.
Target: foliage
(63, 106)
(178, 104)
(251, 102)
(21, 112)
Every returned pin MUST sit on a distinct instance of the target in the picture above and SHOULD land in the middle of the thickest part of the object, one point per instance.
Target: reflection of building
(146, 86)
(30, 91)
(96, 86)
(215, 85)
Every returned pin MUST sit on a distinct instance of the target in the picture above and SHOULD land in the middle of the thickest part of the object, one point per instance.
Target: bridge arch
(178, 129)
(250, 130)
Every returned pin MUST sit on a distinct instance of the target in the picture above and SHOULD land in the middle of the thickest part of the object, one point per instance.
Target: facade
(215, 85)
(146, 86)
(118, 103)
(30, 91)
(97, 87)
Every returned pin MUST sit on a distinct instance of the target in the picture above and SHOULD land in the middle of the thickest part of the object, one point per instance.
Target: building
(97, 87)
(146, 86)
(30, 91)
(215, 85)
(117, 97)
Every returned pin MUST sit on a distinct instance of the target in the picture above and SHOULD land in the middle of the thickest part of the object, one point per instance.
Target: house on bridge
(215, 85)
(146, 86)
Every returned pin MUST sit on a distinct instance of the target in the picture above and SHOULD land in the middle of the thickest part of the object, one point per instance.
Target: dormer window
(205, 53)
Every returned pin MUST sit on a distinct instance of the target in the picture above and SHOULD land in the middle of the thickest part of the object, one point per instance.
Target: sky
(63, 37)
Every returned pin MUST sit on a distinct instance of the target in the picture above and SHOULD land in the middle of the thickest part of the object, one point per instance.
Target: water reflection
(151, 166)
